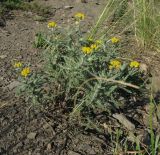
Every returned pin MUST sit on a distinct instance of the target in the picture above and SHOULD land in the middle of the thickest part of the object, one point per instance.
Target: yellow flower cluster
(86, 50)
(134, 64)
(52, 24)
(96, 44)
(115, 40)
(25, 71)
(115, 64)
(79, 16)
(92, 47)
(17, 65)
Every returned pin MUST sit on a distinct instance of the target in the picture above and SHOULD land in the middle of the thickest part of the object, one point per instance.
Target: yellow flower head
(52, 24)
(94, 46)
(17, 65)
(25, 71)
(115, 64)
(114, 40)
(134, 64)
(79, 16)
(86, 50)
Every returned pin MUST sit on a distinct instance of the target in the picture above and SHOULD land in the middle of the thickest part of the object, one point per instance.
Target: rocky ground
(23, 130)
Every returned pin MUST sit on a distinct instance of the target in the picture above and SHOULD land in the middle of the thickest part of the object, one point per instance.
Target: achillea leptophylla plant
(85, 72)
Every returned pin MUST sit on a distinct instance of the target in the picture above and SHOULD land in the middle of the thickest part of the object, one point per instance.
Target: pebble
(32, 135)
(3, 56)
(68, 7)
(72, 153)
(13, 85)
(49, 147)
(81, 1)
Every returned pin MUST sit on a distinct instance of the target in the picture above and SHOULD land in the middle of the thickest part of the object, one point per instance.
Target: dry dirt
(23, 130)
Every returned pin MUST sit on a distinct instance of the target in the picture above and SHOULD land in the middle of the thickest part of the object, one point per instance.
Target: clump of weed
(11, 4)
(44, 11)
(86, 75)
(7, 5)
(147, 21)
(140, 17)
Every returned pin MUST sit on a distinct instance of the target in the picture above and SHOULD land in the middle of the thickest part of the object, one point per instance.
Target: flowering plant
(86, 72)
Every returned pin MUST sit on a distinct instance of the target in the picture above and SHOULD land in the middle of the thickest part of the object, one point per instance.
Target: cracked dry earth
(24, 130)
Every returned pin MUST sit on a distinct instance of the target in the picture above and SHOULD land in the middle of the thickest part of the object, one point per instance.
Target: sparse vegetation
(7, 5)
(85, 78)
(90, 77)
(140, 16)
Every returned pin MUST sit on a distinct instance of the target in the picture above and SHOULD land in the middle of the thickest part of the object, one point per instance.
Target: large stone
(124, 121)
